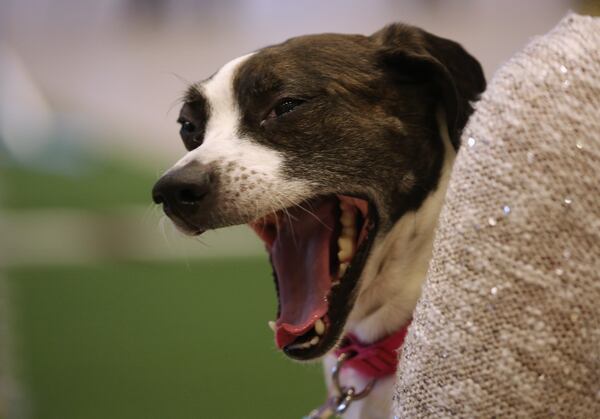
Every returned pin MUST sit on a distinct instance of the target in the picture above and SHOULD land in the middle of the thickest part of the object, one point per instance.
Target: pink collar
(374, 360)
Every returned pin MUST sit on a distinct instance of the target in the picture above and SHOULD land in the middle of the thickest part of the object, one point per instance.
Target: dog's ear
(416, 55)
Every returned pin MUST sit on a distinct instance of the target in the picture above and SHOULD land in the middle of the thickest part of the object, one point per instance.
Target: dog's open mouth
(318, 250)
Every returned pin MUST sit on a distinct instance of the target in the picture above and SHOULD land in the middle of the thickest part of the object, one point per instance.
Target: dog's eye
(284, 106)
(187, 127)
(190, 134)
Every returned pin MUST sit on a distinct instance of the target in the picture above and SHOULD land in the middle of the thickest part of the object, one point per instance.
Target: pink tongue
(300, 256)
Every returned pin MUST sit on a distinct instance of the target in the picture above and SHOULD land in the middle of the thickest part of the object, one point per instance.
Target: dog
(336, 150)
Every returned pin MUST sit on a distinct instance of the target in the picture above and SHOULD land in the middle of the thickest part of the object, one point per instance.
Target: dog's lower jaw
(391, 286)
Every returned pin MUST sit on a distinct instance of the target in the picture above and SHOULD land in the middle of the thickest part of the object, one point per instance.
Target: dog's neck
(395, 272)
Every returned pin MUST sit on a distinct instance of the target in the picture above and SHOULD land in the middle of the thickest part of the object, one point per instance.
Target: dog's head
(320, 144)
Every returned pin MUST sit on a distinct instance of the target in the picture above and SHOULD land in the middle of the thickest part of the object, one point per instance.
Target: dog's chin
(187, 229)
(318, 250)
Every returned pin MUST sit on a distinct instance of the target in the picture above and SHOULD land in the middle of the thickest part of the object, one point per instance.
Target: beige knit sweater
(509, 321)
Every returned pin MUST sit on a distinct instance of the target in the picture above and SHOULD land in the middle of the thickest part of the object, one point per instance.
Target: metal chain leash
(336, 405)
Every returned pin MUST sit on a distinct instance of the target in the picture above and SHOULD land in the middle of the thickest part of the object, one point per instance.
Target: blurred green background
(138, 339)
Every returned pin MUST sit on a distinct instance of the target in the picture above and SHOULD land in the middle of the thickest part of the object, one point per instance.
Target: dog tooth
(272, 325)
(348, 232)
(343, 267)
(299, 345)
(347, 218)
(319, 327)
(345, 245)
(344, 255)
(345, 206)
(314, 340)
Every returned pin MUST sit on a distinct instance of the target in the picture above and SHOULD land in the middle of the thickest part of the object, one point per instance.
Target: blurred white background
(117, 67)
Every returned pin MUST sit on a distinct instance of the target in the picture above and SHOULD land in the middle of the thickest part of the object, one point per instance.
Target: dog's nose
(182, 188)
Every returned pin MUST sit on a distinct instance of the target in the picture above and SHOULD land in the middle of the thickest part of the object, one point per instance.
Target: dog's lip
(182, 224)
